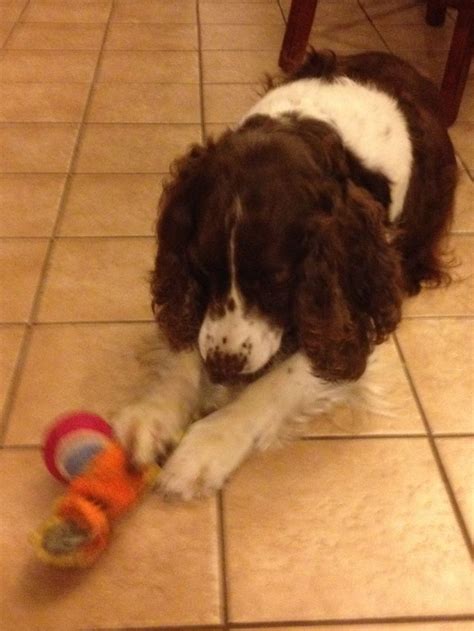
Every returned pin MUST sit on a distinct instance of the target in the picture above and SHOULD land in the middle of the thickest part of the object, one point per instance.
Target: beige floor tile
(397, 12)
(440, 355)
(36, 148)
(466, 112)
(239, 13)
(359, 37)
(333, 12)
(232, 66)
(338, 529)
(42, 102)
(405, 626)
(19, 218)
(133, 148)
(145, 103)
(458, 297)
(57, 36)
(214, 130)
(37, 66)
(149, 66)
(21, 264)
(227, 103)
(418, 37)
(457, 455)
(11, 11)
(161, 568)
(242, 36)
(462, 133)
(152, 37)
(164, 11)
(394, 411)
(11, 338)
(464, 208)
(431, 66)
(81, 12)
(98, 280)
(80, 366)
(111, 205)
(5, 29)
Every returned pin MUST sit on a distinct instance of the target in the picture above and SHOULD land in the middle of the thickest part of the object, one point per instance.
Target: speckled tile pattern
(365, 520)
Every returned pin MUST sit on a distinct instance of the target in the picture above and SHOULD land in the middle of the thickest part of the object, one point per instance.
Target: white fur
(369, 122)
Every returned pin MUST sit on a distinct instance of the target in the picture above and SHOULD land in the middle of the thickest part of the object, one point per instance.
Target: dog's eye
(281, 276)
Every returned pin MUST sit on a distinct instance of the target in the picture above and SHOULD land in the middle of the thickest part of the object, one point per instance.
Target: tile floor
(367, 522)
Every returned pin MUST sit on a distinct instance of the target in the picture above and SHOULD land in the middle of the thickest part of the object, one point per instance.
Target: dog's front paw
(208, 454)
(146, 433)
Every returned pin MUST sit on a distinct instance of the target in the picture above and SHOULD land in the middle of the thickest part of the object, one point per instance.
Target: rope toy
(79, 449)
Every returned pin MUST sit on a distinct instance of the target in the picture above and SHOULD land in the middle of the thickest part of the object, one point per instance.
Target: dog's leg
(151, 427)
(214, 446)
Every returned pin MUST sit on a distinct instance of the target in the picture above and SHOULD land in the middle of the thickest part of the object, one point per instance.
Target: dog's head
(261, 235)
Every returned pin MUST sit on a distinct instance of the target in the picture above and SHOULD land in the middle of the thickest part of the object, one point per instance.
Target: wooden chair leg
(457, 65)
(436, 12)
(295, 41)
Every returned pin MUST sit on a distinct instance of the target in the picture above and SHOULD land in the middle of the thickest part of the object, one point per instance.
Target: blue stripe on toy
(79, 458)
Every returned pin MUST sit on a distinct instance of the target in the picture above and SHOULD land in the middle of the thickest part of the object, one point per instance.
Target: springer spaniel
(285, 248)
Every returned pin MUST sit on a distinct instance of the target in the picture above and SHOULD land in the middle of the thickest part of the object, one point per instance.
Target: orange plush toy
(103, 485)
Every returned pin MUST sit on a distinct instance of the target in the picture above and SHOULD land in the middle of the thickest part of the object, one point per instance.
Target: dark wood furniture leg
(435, 12)
(295, 41)
(457, 65)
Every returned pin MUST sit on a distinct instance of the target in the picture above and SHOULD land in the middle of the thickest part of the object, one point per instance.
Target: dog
(285, 249)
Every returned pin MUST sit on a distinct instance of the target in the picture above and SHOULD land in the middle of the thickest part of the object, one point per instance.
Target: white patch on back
(368, 121)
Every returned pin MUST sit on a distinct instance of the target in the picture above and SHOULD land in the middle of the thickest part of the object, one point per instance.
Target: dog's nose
(224, 367)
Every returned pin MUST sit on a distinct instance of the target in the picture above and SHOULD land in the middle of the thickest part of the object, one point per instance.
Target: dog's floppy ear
(349, 296)
(177, 297)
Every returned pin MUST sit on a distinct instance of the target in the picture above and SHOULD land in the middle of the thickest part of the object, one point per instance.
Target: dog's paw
(202, 462)
(145, 434)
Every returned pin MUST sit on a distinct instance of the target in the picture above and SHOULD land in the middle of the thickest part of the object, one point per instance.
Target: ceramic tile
(42, 102)
(458, 297)
(440, 355)
(149, 66)
(238, 66)
(11, 338)
(227, 103)
(347, 12)
(11, 11)
(5, 29)
(81, 366)
(242, 37)
(214, 130)
(431, 66)
(145, 103)
(337, 529)
(392, 411)
(57, 36)
(36, 148)
(417, 37)
(457, 455)
(97, 280)
(346, 38)
(21, 263)
(152, 37)
(111, 205)
(53, 11)
(466, 111)
(461, 134)
(239, 13)
(164, 11)
(133, 148)
(16, 194)
(161, 568)
(464, 208)
(37, 66)
(397, 13)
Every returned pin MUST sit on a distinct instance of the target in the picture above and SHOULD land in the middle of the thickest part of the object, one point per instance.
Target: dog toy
(80, 449)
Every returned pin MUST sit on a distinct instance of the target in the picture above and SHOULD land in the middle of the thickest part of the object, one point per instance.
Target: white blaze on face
(238, 334)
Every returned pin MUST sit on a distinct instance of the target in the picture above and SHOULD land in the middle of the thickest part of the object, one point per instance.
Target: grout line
(22, 354)
(15, 24)
(362, 8)
(224, 590)
(334, 622)
(437, 457)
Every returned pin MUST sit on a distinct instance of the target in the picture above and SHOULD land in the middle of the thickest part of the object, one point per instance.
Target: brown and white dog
(285, 248)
